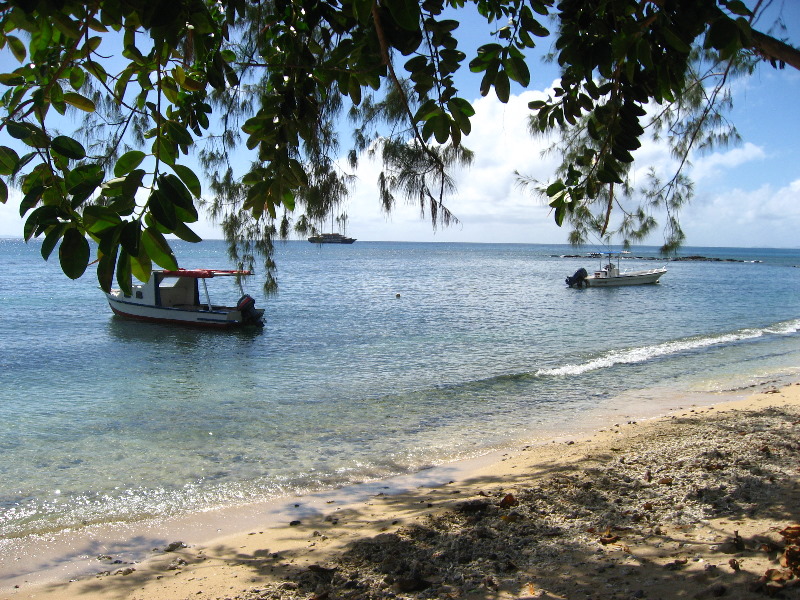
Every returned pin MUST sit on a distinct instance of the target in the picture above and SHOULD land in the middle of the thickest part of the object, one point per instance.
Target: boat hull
(331, 238)
(634, 278)
(223, 318)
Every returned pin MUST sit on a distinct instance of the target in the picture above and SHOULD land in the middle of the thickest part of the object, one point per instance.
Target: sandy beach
(700, 503)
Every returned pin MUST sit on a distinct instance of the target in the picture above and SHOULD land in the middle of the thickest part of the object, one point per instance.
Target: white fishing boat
(611, 276)
(174, 297)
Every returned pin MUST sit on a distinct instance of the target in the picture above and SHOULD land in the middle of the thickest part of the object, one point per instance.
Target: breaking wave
(645, 353)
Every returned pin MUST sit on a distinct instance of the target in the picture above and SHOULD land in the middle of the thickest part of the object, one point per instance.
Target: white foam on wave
(645, 353)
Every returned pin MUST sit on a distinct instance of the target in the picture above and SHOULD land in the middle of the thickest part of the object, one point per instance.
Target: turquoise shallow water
(107, 420)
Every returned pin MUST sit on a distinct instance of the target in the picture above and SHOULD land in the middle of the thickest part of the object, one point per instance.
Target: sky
(745, 196)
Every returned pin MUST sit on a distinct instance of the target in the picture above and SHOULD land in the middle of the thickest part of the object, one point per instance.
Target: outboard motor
(247, 306)
(577, 279)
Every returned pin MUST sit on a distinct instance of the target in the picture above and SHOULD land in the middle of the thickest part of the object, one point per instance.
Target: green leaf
(51, 239)
(178, 196)
(82, 181)
(65, 25)
(676, 42)
(737, 7)
(141, 265)
(73, 254)
(158, 249)
(561, 212)
(77, 77)
(81, 102)
(517, 70)
(162, 209)
(3, 192)
(105, 269)
(97, 219)
(362, 10)
(30, 199)
(555, 187)
(11, 79)
(68, 147)
(405, 13)
(186, 234)
(128, 162)
(189, 178)
(9, 161)
(502, 87)
(131, 237)
(28, 133)
(124, 272)
(17, 48)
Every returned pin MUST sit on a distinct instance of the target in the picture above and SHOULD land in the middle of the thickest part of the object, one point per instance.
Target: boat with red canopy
(174, 297)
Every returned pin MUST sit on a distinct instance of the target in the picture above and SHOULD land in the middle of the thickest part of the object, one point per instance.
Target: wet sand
(690, 505)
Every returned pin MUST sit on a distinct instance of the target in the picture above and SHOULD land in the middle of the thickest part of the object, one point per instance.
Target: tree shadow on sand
(692, 508)
(676, 516)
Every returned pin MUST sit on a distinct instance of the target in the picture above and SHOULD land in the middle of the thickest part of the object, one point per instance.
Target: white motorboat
(610, 276)
(174, 297)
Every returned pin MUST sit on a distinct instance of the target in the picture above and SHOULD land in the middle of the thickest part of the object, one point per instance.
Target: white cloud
(715, 164)
(764, 216)
(489, 204)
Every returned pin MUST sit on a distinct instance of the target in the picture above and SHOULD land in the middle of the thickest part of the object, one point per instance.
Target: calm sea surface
(107, 420)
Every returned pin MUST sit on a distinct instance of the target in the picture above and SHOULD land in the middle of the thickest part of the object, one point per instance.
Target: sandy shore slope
(703, 503)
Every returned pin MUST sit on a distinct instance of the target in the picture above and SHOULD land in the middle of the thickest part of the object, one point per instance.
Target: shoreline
(71, 554)
(276, 548)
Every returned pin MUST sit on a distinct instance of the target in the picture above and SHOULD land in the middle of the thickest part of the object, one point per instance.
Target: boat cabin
(167, 291)
(610, 270)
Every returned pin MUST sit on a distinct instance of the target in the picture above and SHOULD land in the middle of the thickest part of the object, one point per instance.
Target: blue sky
(748, 195)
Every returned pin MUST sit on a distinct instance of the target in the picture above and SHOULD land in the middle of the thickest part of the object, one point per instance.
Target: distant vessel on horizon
(331, 238)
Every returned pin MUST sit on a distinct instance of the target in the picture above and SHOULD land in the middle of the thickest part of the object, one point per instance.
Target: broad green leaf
(131, 237)
(128, 162)
(162, 209)
(66, 146)
(676, 42)
(189, 178)
(65, 24)
(105, 269)
(124, 272)
(51, 239)
(3, 192)
(141, 265)
(158, 249)
(561, 212)
(179, 198)
(186, 234)
(362, 10)
(555, 187)
(737, 7)
(73, 254)
(9, 160)
(17, 48)
(82, 181)
(11, 79)
(502, 87)
(30, 199)
(81, 102)
(517, 70)
(405, 13)
(77, 77)
(99, 218)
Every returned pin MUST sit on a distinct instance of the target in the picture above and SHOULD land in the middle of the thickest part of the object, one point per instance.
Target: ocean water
(105, 420)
